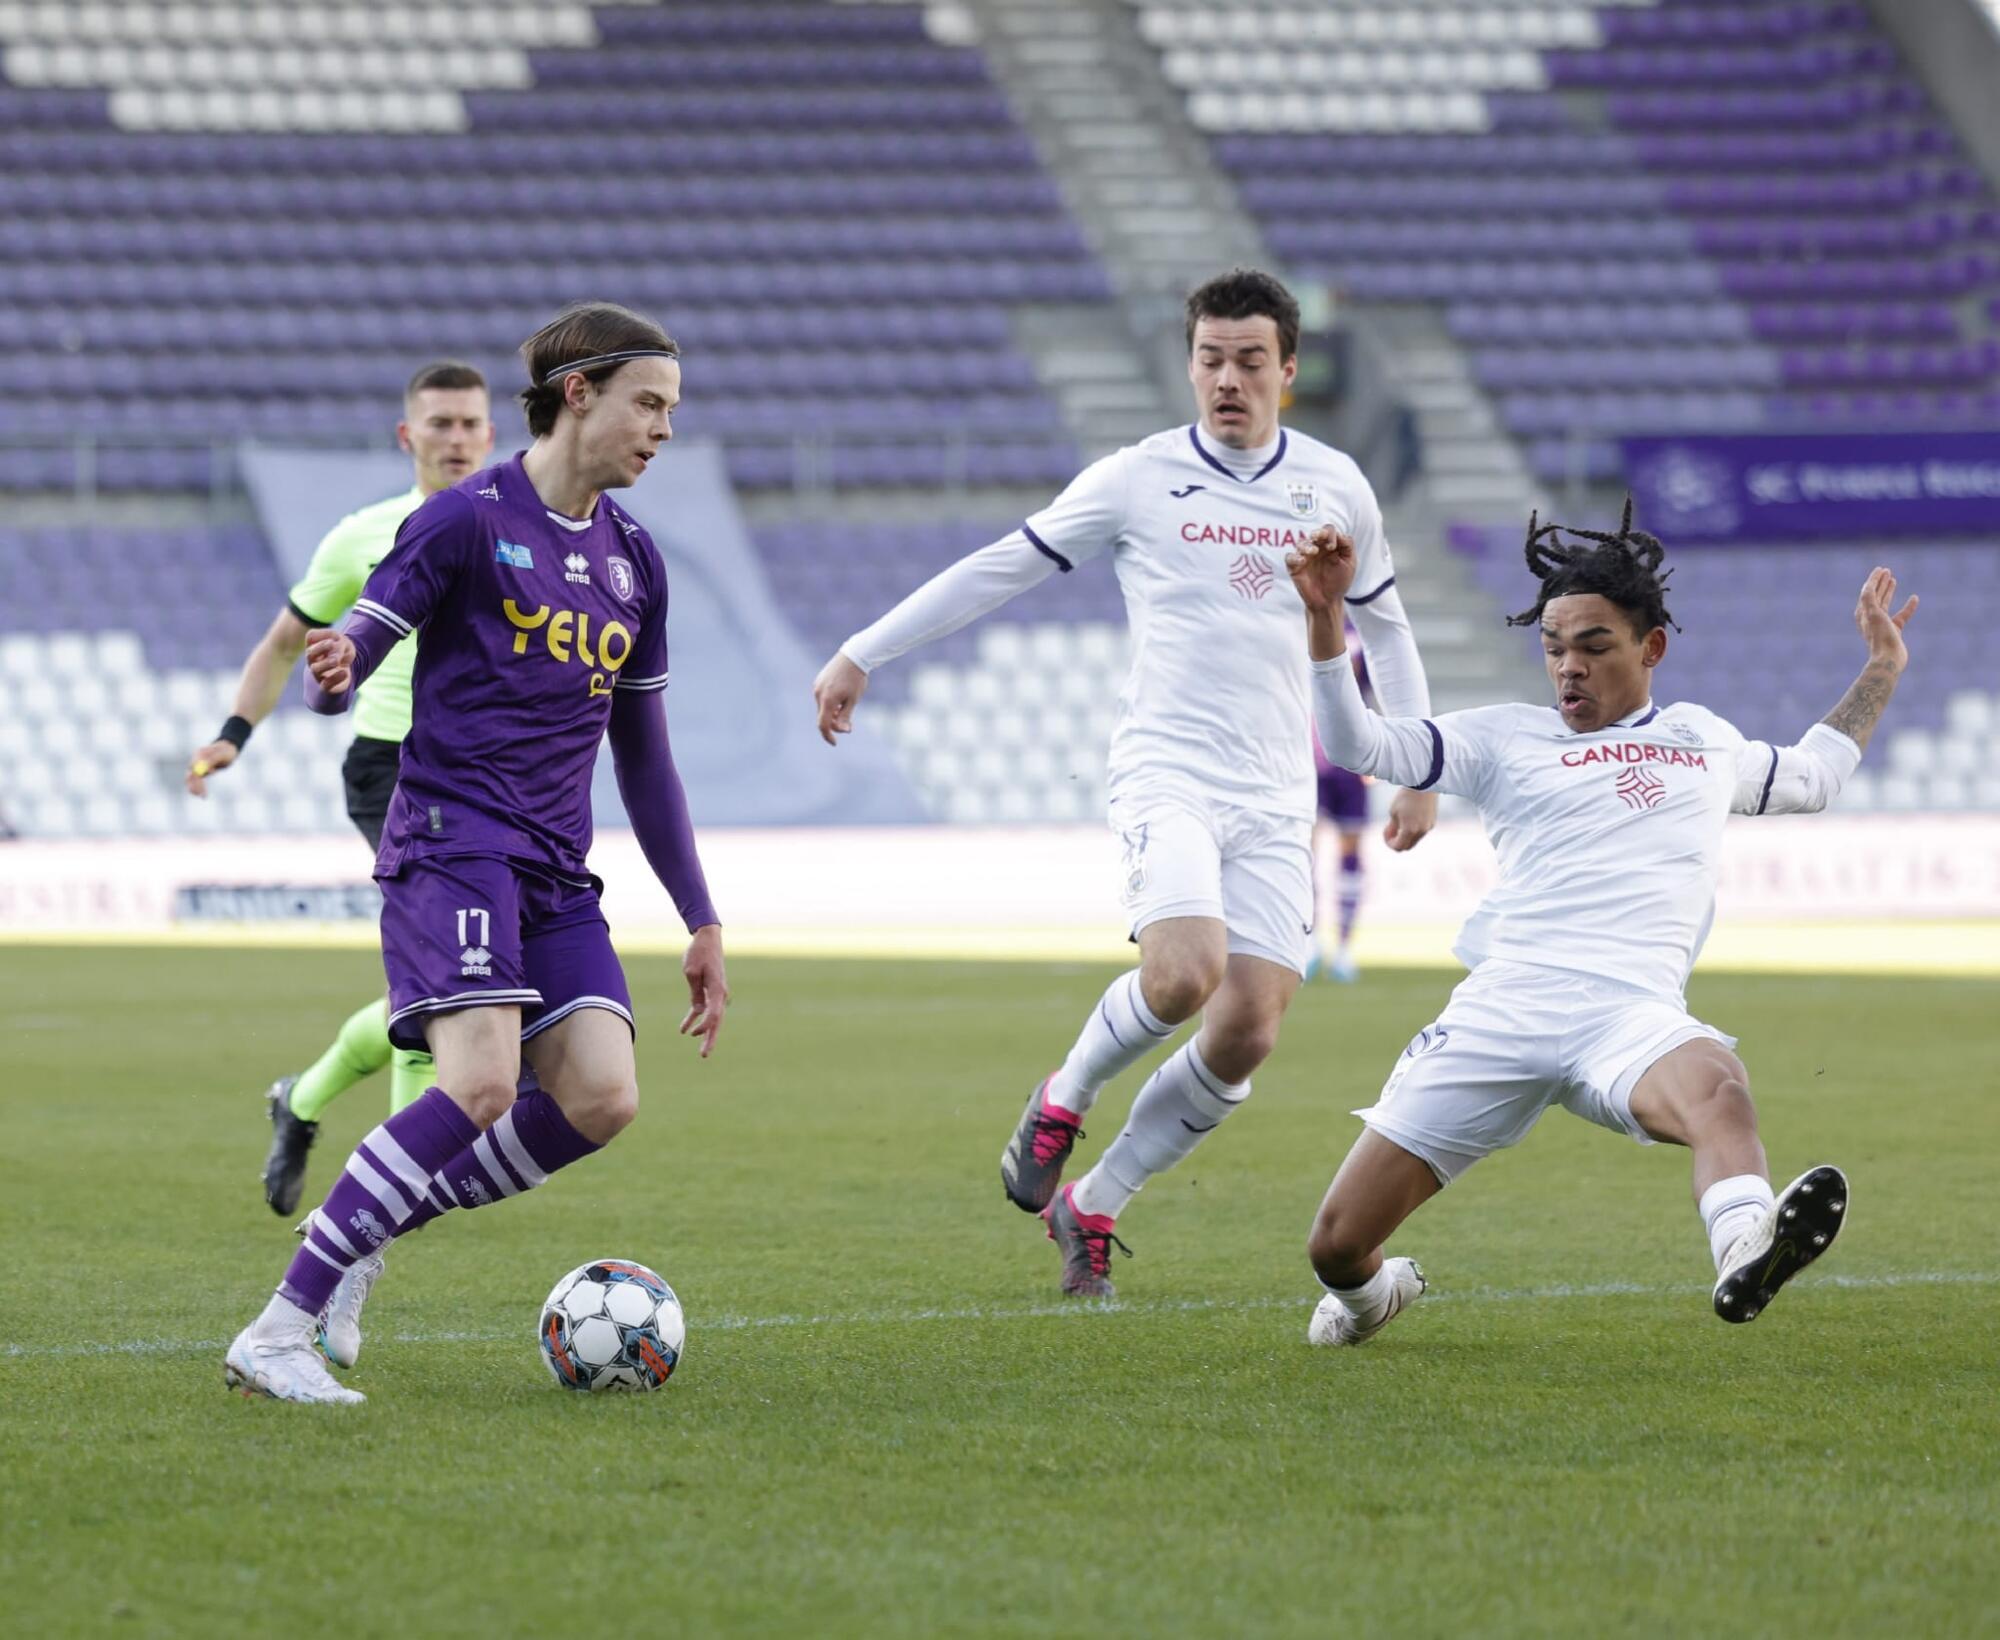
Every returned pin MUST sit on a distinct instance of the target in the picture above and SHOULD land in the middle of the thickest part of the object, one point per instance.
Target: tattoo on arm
(1860, 709)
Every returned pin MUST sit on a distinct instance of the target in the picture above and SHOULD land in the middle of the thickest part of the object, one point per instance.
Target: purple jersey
(530, 621)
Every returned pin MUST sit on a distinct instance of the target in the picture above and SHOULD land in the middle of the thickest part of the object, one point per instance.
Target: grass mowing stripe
(1058, 1310)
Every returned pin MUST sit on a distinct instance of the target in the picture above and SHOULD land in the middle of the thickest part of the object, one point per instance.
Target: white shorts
(1515, 1039)
(1251, 871)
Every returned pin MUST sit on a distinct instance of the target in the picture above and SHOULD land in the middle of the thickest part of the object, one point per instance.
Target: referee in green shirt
(447, 429)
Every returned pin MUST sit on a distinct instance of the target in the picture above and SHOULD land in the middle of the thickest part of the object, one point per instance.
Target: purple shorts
(1343, 798)
(476, 931)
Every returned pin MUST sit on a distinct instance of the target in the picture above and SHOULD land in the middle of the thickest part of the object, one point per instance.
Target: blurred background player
(1337, 867)
(447, 430)
(1607, 816)
(545, 607)
(1211, 790)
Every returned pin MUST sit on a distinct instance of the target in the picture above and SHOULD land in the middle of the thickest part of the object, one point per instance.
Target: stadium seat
(795, 171)
(1769, 168)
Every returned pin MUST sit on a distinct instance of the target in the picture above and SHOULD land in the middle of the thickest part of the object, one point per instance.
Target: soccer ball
(612, 1325)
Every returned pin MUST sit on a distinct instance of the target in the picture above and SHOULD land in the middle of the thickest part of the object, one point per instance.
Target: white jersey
(1609, 841)
(1218, 702)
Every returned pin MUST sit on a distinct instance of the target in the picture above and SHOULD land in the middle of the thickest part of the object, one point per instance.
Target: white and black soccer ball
(612, 1325)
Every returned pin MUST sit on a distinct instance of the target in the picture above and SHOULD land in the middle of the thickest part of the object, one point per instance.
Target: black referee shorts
(369, 771)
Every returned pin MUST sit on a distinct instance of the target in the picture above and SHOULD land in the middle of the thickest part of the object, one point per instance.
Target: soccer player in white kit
(1211, 775)
(1607, 816)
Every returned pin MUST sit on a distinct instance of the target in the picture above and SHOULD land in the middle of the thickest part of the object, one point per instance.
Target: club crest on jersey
(513, 555)
(621, 577)
(1304, 499)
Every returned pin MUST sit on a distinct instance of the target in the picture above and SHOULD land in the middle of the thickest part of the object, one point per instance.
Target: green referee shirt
(340, 567)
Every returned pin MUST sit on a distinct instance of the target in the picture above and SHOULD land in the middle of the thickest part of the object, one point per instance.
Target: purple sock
(531, 1140)
(1348, 894)
(378, 1195)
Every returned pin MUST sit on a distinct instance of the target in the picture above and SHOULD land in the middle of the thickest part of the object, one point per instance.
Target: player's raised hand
(330, 660)
(1412, 817)
(708, 987)
(1323, 569)
(1881, 629)
(836, 692)
(213, 758)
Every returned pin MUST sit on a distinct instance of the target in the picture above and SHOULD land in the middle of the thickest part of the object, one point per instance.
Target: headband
(563, 370)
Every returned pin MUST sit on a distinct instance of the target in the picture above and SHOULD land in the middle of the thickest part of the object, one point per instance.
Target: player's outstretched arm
(708, 987)
(956, 597)
(1407, 751)
(656, 803)
(332, 661)
(836, 692)
(1805, 778)
(1861, 708)
(1323, 570)
(266, 671)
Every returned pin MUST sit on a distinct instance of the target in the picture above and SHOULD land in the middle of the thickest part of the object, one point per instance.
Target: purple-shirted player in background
(1343, 807)
(543, 609)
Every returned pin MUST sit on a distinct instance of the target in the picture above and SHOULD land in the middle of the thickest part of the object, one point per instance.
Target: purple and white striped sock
(1349, 894)
(380, 1191)
(531, 1140)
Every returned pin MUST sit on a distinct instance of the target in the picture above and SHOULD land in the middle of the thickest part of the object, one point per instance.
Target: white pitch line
(1069, 1309)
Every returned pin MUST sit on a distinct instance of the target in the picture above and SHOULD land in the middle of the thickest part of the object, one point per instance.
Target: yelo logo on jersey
(567, 633)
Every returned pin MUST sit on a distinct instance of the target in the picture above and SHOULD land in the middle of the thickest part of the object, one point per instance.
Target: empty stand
(1638, 217)
(230, 220)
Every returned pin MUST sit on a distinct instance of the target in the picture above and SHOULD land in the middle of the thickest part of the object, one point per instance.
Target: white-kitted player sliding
(1607, 815)
(1211, 771)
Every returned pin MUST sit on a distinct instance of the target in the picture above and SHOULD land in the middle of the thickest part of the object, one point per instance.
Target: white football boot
(340, 1321)
(1331, 1324)
(1799, 1227)
(274, 1357)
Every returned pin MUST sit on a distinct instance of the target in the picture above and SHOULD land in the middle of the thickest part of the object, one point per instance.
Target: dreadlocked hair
(1623, 569)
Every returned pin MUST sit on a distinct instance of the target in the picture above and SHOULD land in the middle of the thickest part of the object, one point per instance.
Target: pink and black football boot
(1031, 1165)
(1085, 1241)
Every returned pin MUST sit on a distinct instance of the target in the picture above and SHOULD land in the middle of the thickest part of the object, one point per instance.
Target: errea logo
(576, 568)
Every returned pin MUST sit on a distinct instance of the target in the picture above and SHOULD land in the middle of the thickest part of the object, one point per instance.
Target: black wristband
(236, 730)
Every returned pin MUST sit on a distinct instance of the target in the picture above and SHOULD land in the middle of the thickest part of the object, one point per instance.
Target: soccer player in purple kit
(1342, 805)
(543, 610)
(1343, 811)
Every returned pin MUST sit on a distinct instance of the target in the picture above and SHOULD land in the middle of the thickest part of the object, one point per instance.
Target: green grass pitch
(888, 1424)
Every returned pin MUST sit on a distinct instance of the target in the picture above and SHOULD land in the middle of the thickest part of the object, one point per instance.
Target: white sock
(282, 1318)
(1731, 1206)
(1120, 1032)
(1366, 1302)
(1180, 1105)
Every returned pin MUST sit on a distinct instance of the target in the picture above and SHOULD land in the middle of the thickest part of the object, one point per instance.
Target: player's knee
(483, 1097)
(1178, 987)
(1240, 1046)
(1721, 1105)
(605, 1109)
(1336, 1248)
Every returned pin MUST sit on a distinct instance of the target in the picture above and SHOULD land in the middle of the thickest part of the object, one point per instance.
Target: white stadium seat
(1971, 712)
(153, 815)
(966, 806)
(300, 812)
(1912, 752)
